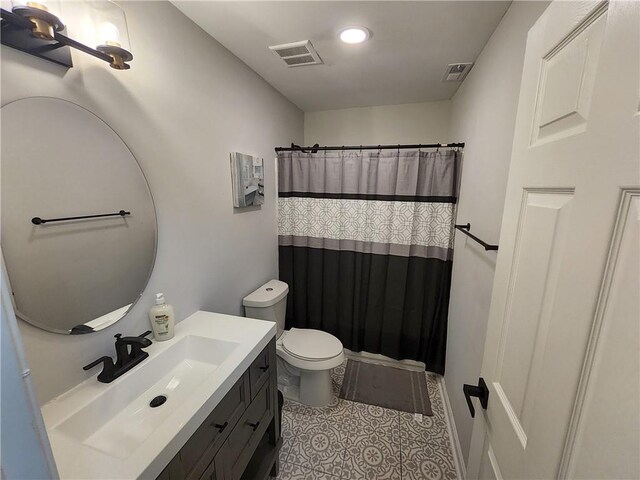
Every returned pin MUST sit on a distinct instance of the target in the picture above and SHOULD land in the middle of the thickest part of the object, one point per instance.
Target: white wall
(426, 122)
(483, 115)
(184, 105)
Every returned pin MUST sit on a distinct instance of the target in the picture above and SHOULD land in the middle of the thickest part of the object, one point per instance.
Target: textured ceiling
(403, 62)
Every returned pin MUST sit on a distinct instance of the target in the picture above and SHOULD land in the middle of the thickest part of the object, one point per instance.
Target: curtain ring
(360, 148)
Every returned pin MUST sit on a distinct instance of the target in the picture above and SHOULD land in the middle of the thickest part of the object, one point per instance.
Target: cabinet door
(216, 469)
(245, 438)
(173, 471)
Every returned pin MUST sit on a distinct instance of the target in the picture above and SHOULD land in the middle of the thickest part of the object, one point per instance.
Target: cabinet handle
(254, 425)
(220, 427)
(265, 368)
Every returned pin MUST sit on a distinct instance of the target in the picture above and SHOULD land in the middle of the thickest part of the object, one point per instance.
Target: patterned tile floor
(353, 441)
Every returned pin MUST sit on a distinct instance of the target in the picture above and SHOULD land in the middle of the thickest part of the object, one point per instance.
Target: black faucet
(126, 358)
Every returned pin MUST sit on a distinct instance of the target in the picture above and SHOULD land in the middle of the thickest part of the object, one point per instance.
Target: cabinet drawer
(259, 371)
(213, 431)
(250, 429)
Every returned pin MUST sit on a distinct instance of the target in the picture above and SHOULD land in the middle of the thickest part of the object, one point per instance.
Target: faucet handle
(107, 375)
(145, 334)
(104, 360)
(137, 344)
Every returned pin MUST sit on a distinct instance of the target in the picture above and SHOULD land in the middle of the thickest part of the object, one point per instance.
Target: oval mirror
(78, 220)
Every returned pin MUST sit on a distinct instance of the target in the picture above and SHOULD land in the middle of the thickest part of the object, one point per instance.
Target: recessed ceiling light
(354, 34)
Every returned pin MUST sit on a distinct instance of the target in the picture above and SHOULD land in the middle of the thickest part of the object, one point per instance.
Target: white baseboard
(453, 432)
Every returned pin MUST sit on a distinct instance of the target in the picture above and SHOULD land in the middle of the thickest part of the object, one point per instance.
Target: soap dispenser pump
(162, 319)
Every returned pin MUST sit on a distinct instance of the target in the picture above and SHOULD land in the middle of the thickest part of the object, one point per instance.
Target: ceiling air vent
(456, 72)
(297, 54)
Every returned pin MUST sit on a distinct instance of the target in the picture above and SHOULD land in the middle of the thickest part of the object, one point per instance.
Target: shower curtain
(365, 244)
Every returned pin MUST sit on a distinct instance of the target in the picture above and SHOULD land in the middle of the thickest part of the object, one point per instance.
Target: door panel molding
(566, 81)
(628, 197)
(512, 416)
(493, 461)
(540, 239)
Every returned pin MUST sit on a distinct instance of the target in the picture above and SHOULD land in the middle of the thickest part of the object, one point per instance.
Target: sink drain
(157, 401)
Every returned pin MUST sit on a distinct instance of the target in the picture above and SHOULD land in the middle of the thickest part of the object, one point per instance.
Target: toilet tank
(269, 302)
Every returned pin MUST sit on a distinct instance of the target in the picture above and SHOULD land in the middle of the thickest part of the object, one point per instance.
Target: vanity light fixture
(354, 34)
(45, 23)
(114, 49)
(36, 28)
(112, 35)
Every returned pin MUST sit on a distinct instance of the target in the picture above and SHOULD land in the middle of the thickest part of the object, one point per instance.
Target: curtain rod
(315, 147)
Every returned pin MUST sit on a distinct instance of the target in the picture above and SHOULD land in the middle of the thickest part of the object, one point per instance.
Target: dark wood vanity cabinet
(240, 438)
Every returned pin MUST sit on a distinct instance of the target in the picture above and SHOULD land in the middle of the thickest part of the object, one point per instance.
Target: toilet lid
(311, 344)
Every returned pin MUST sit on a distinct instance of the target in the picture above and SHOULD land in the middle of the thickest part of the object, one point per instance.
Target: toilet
(305, 356)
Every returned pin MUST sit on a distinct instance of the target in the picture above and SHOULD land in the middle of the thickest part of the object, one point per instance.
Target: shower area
(365, 238)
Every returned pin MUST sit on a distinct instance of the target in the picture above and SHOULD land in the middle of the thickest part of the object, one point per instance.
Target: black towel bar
(40, 221)
(465, 229)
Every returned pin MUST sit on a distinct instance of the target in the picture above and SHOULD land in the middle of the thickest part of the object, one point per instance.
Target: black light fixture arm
(465, 229)
(63, 39)
(40, 221)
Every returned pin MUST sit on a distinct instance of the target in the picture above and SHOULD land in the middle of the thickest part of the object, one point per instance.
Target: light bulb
(354, 35)
(110, 34)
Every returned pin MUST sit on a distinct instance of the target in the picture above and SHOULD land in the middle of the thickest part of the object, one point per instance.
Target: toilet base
(315, 388)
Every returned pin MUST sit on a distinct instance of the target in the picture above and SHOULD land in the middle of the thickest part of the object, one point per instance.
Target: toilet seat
(310, 349)
(313, 345)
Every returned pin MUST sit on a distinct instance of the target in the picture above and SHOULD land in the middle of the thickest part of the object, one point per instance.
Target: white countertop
(76, 460)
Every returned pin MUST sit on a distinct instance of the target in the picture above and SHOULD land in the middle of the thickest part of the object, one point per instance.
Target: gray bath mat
(386, 387)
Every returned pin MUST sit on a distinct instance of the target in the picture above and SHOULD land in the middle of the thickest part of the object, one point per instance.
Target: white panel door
(562, 351)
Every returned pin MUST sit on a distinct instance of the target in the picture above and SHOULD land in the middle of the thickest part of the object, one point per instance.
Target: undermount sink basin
(119, 420)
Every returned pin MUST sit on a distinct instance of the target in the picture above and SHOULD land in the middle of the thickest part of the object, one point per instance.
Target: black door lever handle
(481, 391)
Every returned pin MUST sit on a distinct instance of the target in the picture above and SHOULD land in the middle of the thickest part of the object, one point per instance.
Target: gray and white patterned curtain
(366, 246)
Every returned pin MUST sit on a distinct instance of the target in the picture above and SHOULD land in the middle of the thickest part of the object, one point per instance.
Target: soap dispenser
(162, 319)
